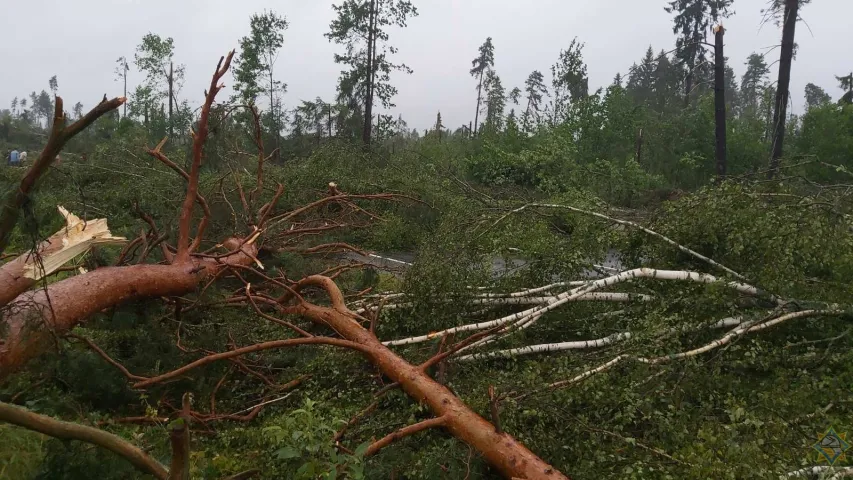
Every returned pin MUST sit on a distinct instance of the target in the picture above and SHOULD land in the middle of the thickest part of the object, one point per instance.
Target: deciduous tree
(254, 69)
(154, 57)
(815, 96)
(569, 79)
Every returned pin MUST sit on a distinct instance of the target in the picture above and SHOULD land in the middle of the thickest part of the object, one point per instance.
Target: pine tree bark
(367, 132)
(36, 317)
(688, 85)
(783, 83)
(500, 449)
(638, 153)
(479, 98)
(720, 101)
(171, 93)
(273, 113)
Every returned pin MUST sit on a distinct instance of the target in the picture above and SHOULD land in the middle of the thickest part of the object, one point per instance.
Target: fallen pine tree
(32, 318)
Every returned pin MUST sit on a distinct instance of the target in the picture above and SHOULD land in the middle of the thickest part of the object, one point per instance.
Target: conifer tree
(691, 23)
(535, 89)
(361, 26)
(484, 62)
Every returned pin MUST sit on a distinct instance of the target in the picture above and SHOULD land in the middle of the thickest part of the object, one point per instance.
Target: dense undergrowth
(751, 410)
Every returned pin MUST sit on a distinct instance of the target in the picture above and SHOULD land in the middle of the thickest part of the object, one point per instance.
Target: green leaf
(287, 453)
(362, 449)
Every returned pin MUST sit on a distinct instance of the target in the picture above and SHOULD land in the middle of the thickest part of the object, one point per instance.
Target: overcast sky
(80, 40)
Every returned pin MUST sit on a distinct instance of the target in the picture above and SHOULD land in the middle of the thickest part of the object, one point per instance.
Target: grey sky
(80, 40)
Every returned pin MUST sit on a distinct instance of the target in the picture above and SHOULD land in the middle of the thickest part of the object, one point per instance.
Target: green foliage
(302, 443)
(21, 453)
(258, 52)
(361, 26)
(570, 83)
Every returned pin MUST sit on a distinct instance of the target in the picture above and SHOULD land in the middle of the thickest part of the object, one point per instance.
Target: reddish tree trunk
(501, 450)
(479, 97)
(35, 317)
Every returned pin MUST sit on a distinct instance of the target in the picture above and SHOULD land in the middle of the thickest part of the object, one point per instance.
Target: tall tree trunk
(526, 119)
(273, 107)
(330, 119)
(125, 88)
(171, 83)
(720, 101)
(688, 85)
(367, 132)
(784, 81)
(479, 97)
(638, 151)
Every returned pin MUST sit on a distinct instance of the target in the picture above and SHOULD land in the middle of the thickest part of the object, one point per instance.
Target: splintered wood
(75, 238)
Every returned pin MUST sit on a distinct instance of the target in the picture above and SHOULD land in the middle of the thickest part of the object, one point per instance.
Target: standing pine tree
(54, 85)
(846, 84)
(121, 73)
(361, 26)
(720, 101)
(535, 89)
(495, 102)
(667, 83)
(642, 79)
(789, 16)
(692, 23)
(78, 110)
(753, 83)
(732, 93)
(483, 63)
